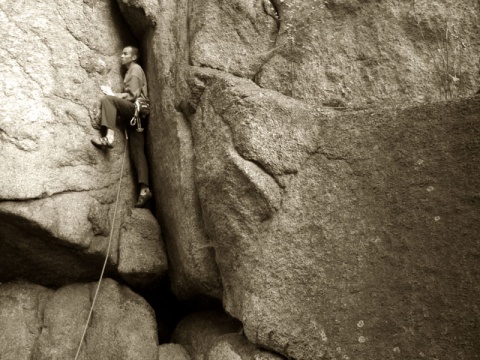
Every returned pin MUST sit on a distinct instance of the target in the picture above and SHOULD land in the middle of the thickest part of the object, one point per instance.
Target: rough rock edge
(139, 14)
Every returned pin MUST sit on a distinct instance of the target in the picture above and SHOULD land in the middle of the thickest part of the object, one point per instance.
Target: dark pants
(112, 107)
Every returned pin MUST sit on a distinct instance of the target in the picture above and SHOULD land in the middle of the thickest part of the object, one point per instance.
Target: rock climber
(122, 104)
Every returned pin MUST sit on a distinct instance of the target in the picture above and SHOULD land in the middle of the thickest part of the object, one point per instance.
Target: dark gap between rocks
(169, 310)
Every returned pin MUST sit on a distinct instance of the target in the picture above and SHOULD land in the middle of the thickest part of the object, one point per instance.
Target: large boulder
(213, 335)
(57, 191)
(237, 347)
(341, 234)
(172, 352)
(326, 234)
(339, 53)
(39, 323)
(324, 228)
(199, 332)
(142, 259)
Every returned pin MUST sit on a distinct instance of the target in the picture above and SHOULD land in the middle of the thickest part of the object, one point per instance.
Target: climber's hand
(107, 90)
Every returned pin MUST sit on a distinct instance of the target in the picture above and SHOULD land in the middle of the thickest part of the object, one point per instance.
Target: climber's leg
(111, 106)
(137, 150)
(137, 143)
(109, 111)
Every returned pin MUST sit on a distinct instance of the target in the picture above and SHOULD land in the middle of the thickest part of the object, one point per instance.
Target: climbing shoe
(143, 198)
(102, 143)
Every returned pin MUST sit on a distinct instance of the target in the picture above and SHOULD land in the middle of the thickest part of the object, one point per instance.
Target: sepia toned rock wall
(351, 52)
(342, 240)
(40, 323)
(193, 271)
(57, 191)
(313, 165)
(326, 232)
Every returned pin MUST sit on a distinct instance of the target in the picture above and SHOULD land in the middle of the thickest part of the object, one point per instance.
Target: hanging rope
(108, 252)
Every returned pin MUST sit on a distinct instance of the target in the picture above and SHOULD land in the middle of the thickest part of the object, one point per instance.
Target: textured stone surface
(312, 216)
(19, 319)
(352, 52)
(198, 332)
(172, 352)
(57, 191)
(55, 55)
(38, 323)
(142, 259)
(235, 36)
(330, 241)
(331, 235)
(237, 347)
(193, 271)
(140, 14)
(212, 335)
(339, 53)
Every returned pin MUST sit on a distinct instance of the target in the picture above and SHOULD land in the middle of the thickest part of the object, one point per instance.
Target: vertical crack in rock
(141, 15)
(233, 37)
(271, 9)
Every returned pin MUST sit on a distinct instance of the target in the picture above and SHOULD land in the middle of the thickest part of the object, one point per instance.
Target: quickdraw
(142, 109)
(137, 121)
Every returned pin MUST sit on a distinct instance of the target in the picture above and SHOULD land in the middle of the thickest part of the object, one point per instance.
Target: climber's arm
(108, 91)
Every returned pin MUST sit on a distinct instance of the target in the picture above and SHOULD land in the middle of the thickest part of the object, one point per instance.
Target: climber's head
(129, 55)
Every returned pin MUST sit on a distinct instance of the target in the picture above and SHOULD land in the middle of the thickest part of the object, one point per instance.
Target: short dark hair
(135, 51)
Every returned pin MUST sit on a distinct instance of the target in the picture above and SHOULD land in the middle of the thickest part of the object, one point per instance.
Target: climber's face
(127, 57)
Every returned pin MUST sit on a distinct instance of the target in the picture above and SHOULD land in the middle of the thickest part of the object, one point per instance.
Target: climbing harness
(108, 251)
(142, 109)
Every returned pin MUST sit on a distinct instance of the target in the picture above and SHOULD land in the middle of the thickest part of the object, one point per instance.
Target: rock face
(141, 15)
(39, 323)
(352, 52)
(337, 240)
(199, 332)
(142, 260)
(235, 36)
(212, 335)
(58, 191)
(313, 165)
(172, 352)
(236, 346)
(194, 273)
(336, 235)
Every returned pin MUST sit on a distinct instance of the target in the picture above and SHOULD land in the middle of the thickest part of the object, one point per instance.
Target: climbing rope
(108, 252)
